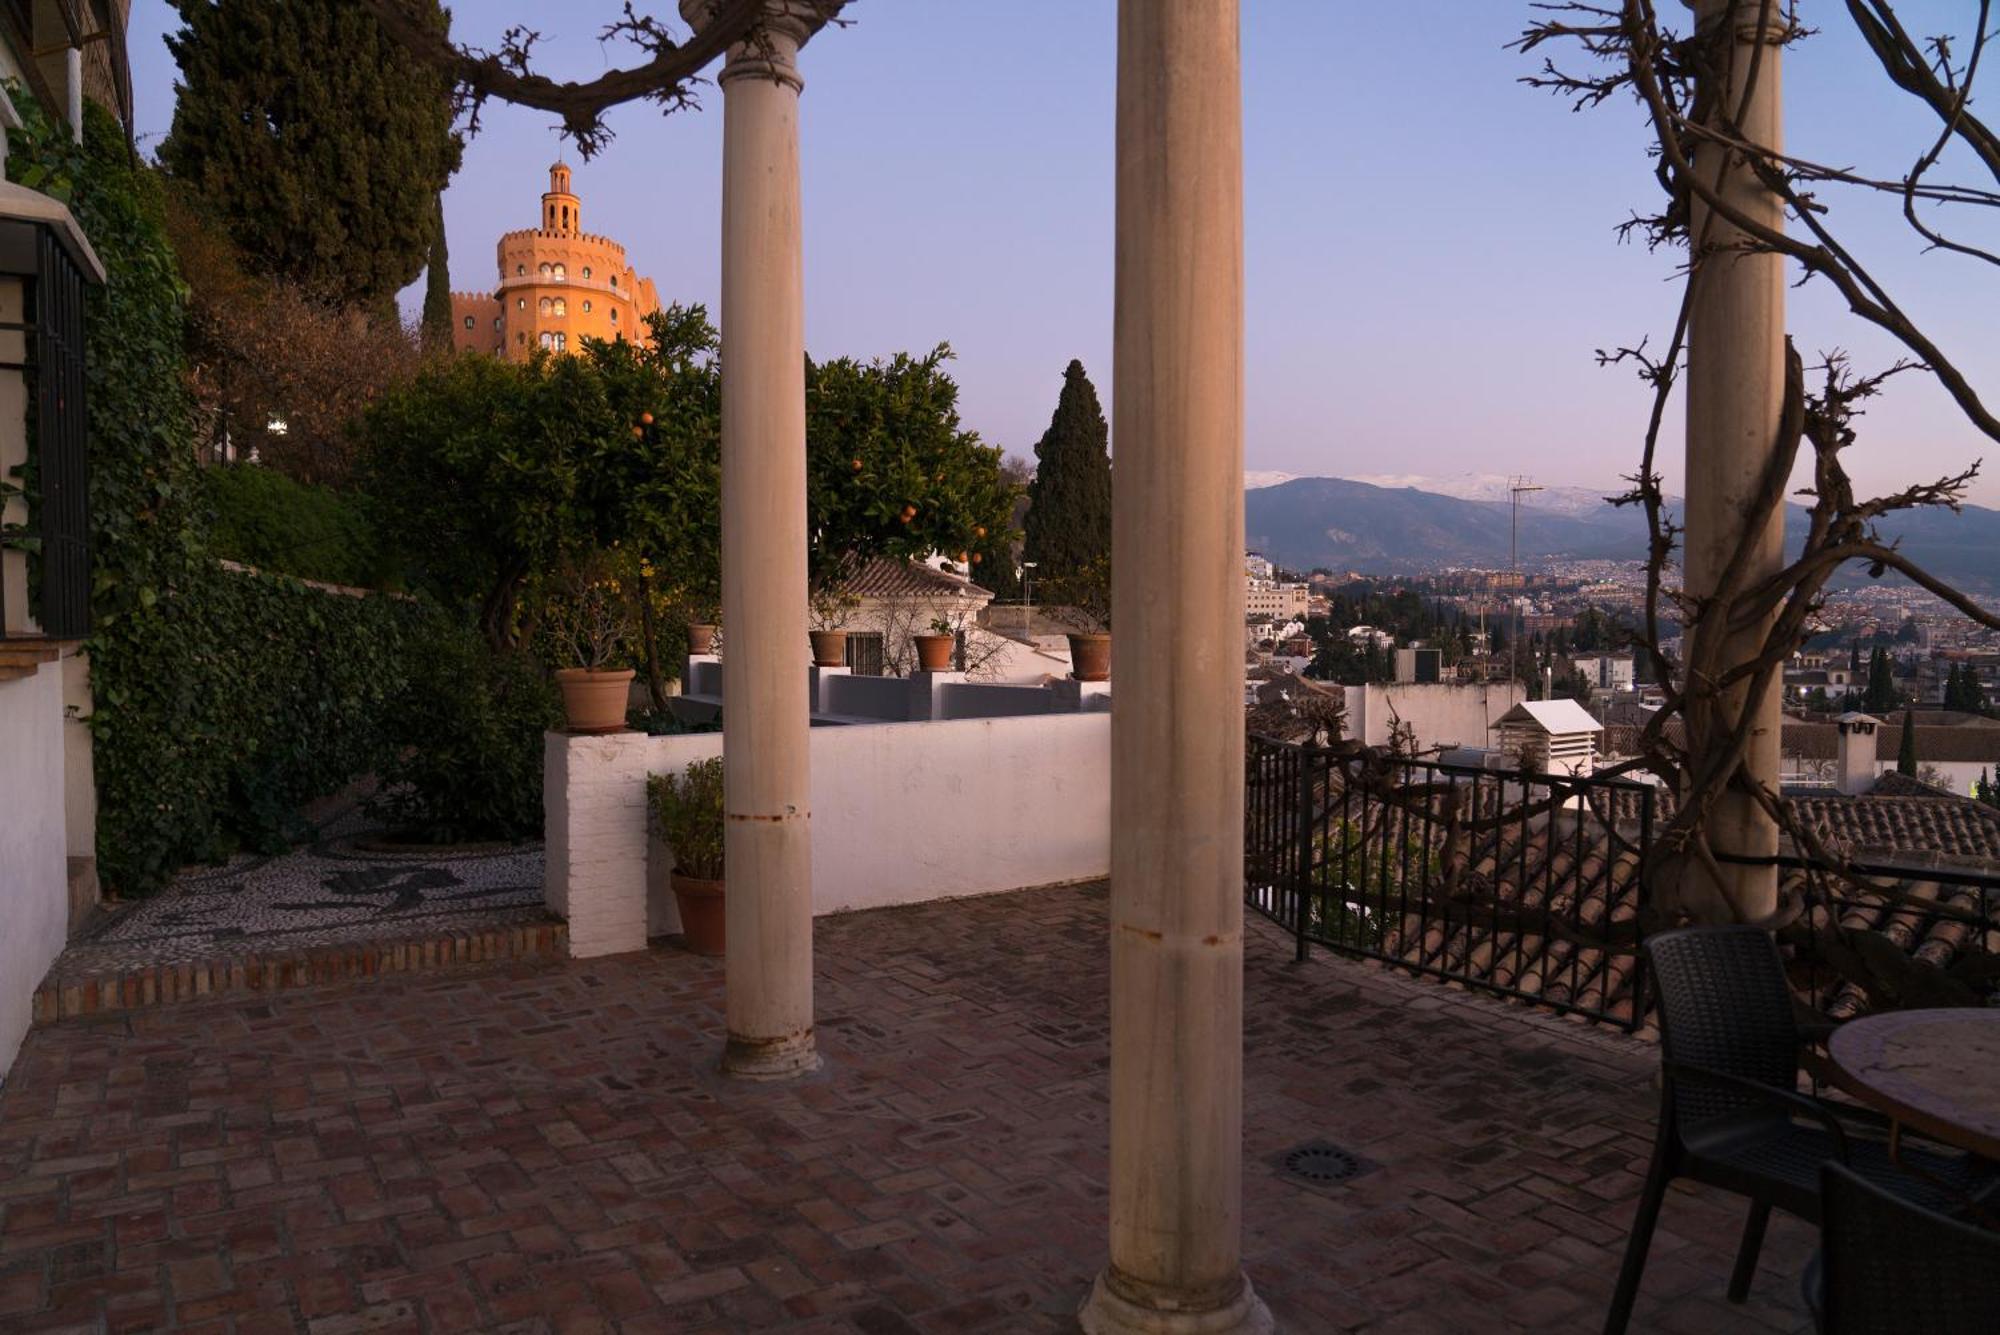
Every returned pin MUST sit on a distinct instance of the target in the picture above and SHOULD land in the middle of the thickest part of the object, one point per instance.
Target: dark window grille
(867, 654)
(57, 533)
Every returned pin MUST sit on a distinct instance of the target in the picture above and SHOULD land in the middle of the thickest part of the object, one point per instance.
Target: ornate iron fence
(1525, 885)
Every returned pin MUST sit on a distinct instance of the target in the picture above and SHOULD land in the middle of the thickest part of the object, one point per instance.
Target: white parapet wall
(902, 813)
(34, 881)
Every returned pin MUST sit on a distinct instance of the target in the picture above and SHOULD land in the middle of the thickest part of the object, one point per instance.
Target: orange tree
(892, 472)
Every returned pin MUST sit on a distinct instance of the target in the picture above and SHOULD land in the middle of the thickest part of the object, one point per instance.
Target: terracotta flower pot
(934, 652)
(829, 648)
(702, 917)
(1090, 657)
(594, 699)
(701, 639)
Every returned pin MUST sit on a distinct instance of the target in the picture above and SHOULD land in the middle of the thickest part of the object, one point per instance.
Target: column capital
(1777, 29)
(771, 52)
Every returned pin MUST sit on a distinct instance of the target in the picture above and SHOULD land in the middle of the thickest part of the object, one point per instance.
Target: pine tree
(319, 142)
(1881, 695)
(437, 287)
(1068, 525)
(1906, 754)
(1951, 687)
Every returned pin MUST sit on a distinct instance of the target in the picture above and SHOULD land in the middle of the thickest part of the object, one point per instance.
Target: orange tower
(558, 286)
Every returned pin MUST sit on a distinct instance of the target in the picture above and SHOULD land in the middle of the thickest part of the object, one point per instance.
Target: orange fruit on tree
(647, 418)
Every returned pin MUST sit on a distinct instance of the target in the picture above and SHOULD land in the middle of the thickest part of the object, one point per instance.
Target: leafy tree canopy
(320, 142)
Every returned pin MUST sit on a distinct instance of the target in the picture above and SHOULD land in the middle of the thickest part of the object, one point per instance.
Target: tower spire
(562, 212)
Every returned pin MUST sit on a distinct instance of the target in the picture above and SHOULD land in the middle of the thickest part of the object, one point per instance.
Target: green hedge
(265, 519)
(223, 700)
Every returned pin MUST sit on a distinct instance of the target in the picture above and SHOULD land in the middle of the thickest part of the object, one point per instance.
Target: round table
(1934, 1071)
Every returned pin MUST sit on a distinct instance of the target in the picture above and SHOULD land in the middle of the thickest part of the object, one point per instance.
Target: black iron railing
(1526, 885)
(55, 538)
(1876, 935)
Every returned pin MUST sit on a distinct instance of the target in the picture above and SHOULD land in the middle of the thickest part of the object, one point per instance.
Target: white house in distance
(1551, 736)
(897, 600)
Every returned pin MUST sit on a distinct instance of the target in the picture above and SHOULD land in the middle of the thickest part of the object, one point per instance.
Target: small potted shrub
(830, 610)
(687, 816)
(935, 649)
(587, 621)
(1089, 591)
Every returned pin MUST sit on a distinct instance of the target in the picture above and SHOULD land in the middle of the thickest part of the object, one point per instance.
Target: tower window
(586, 306)
(520, 339)
(614, 280)
(520, 303)
(496, 322)
(543, 306)
(543, 270)
(614, 315)
(562, 307)
(520, 269)
(586, 271)
(561, 272)
(468, 322)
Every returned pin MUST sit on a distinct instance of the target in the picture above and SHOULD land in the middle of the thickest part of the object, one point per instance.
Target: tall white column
(1735, 396)
(767, 840)
(1177, 718)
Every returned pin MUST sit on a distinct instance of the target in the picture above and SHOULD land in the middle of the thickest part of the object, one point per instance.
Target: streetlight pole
(1027, 582)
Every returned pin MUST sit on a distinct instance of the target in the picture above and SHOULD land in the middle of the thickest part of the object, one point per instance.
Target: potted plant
(701, 637)
(587, 619)
(1089, 591)
(935, 649)
(830, 610)
(687, 816)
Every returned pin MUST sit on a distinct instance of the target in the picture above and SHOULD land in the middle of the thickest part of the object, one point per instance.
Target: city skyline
(1426, 280)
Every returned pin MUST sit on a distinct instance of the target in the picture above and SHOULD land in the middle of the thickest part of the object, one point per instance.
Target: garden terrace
(547, 1146)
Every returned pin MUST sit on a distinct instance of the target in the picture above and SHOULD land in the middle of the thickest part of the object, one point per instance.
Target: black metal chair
(1732, 1116)
(1886, 1266)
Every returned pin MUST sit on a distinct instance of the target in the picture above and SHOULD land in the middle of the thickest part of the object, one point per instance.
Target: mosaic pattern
(344, 887)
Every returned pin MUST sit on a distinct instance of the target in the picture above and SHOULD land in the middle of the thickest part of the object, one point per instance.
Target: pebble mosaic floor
(343, 887)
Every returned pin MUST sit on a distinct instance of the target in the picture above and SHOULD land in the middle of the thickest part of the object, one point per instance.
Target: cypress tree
(1881, 695)
(437, 287)
(1068, 526)
(319, 142)
(1906, 754)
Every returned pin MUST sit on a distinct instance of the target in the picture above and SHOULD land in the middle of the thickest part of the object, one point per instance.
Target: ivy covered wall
(223, 700)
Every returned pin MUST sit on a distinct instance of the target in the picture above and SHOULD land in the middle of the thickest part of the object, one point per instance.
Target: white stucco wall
(1443, 714)
(902, 813)
(34, 903)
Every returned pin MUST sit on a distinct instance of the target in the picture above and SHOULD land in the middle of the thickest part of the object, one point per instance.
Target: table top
(1936, 1071)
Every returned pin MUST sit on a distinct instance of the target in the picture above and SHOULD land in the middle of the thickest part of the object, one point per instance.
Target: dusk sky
(1430, 249)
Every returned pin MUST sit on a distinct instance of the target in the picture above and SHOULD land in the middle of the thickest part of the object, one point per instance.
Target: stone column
(1735, 395)
(767, 840)
(1177, 711)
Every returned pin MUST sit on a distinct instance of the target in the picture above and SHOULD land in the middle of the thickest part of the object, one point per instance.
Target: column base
(769, 1058)
(1106, 1313)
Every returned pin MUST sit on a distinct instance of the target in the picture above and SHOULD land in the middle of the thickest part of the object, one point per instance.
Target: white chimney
(1855, 757)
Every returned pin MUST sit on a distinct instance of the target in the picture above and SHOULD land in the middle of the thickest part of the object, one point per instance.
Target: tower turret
(562, 212)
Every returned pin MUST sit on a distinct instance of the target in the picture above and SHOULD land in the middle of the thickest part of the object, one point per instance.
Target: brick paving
(543, 1147)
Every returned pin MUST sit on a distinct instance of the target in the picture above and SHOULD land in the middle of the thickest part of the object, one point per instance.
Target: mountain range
(1350, 524)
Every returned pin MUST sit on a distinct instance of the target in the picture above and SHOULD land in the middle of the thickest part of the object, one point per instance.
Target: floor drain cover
(1321, 1164)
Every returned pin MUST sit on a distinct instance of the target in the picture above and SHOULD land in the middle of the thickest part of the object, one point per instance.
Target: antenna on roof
(1516, 487)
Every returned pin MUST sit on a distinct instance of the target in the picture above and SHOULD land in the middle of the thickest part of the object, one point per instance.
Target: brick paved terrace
(543, 1147)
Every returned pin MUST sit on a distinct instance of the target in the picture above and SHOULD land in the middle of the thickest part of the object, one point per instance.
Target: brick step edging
(138, 987)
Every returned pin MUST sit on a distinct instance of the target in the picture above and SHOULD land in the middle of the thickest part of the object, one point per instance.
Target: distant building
(1265, 595)
(1551, 736)
(1606, 672)
(558, 286)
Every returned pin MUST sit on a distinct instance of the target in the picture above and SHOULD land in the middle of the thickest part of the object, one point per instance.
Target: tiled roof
(885, 577)
(1530, 899)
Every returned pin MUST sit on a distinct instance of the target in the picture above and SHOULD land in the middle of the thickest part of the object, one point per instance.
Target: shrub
(472, 723)
(265, 519)
(687, 811)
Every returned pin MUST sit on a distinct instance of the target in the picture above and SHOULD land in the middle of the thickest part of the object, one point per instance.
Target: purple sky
(1430, 253)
